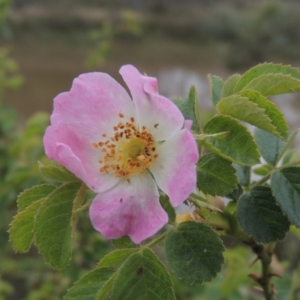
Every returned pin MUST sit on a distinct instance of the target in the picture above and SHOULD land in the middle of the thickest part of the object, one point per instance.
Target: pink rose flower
(123, 149)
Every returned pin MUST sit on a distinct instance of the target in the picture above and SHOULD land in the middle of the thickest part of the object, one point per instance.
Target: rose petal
(93, 105)
(174, 170)
(66, 147)
(161, 116)
(131, 209)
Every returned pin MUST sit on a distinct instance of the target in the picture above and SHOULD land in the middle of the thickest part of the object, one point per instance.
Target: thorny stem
(264, 254)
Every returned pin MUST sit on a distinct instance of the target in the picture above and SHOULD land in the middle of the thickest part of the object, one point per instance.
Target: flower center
(129, 151)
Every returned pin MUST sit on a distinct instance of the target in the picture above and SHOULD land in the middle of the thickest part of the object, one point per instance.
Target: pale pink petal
(93, 105)
(161, 116)
(75, 152)
(188, 124)
(175, 168)
(131, 209)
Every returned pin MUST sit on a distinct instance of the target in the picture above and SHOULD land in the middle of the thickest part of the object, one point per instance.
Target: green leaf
(36, 193)
(269, 146)
(88, 286)
(243, 174)
(235, 194)
(58, 173)
(266, 69)
(291, 157)
(194, 252)
(201, 202)
(143, 277)
(285, 185)
(114, 258)
(53, 225)
(124, 242)
(166, 205)
(274, 84)
(260, 216)
(262, 170)
(255, 109)
(229, 85)
(237, 146)
(216, 175)
(216, 84)
(190, 108)
(288, 143)
(22, 227)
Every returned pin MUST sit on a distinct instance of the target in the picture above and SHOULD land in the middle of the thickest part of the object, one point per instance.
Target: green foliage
(143, 277)
(57, 173)
(190, 108)
(253, 108)
(286, 189)
(114, 258)
(237, 146)
(54, 225)
(89, 285)
(229, 85)
(34, 194)
(165, 203)
(216, 85)
(22, 227)
(269, 146)
(123, 243)
(261, 217)
(216, 175)
(243, 174)
(194, 252)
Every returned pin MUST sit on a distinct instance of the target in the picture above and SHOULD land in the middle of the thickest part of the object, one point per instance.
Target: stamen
(121, 115)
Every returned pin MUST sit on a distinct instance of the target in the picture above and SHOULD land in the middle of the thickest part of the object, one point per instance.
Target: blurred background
(45, 44)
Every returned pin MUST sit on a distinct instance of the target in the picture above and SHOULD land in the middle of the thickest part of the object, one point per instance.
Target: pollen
(129, 150)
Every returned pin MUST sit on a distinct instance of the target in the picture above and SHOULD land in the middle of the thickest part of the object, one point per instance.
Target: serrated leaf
(53, 225)
(266, 69)
(22, 227)
(269, 146)
(58, 173)
(260, 216)
(115, 257)
(274, 84)
(189, 107)
(194, 252)
(216, 84)
(166, 205)
(255, 109)
(243, 174)
(124, 242)
(36, 193)
(286, 189)
(87, 287)
(215, 175)
(229, 85)
(237, 146)
(143, 277)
